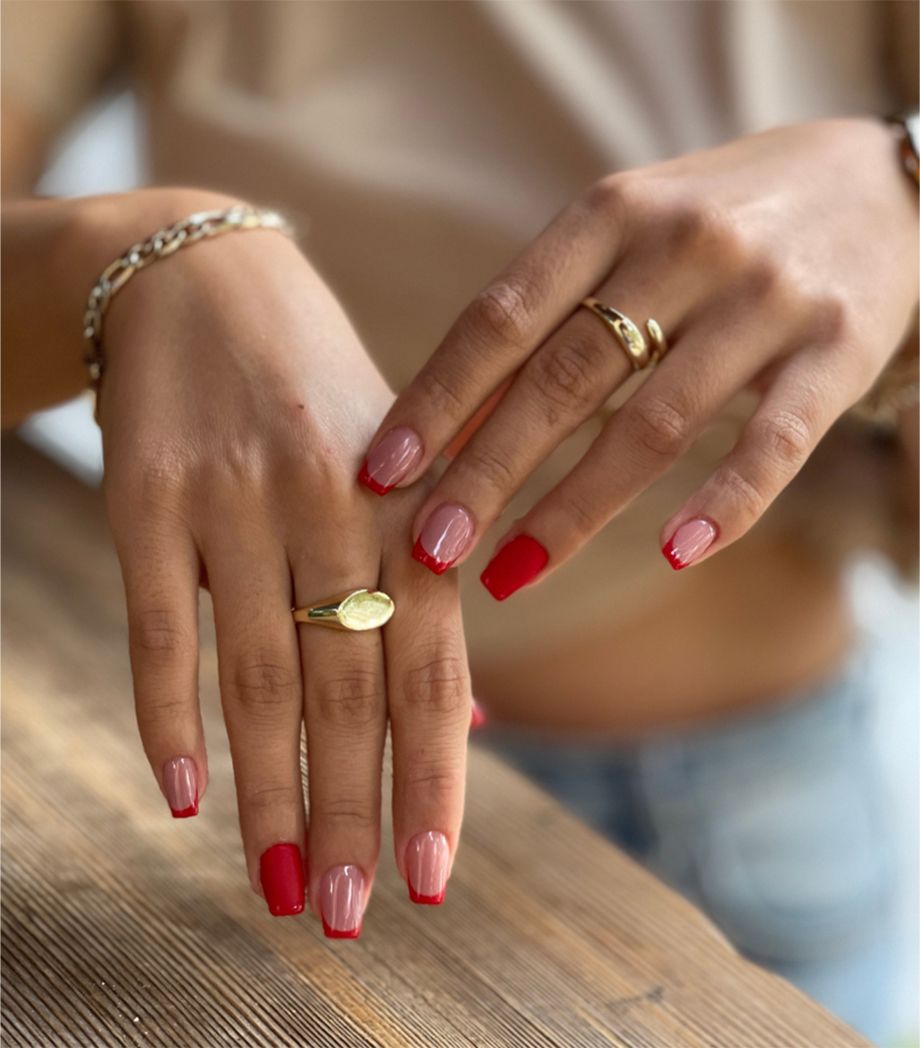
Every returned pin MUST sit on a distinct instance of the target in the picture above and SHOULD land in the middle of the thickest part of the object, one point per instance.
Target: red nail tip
(672, 558)
(281, 874)
(335, 933)
(515, 564)
(185, 813)
(422, 555)
(426, 900)
(368, 481)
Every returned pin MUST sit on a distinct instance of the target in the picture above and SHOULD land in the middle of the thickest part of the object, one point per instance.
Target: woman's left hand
(785, 259)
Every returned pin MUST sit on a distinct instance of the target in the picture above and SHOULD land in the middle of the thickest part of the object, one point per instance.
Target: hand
(234, 408)
(786, 260)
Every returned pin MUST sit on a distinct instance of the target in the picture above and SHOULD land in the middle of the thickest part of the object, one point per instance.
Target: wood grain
(122, 926)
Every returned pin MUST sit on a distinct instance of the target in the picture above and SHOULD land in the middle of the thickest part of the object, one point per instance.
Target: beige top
(422, 144)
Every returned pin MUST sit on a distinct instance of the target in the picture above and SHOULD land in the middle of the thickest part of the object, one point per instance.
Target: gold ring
(358, 609)
(630, 336)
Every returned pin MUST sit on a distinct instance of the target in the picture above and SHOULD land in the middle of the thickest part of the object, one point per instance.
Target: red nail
(689, 542)
(281, 874)
(515, 564)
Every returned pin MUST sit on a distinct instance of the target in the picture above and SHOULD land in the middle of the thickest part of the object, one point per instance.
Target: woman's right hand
(235, 408)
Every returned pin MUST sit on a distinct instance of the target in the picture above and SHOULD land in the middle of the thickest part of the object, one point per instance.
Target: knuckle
(658, 427)
(441, 393)
(490, 469)
(581, 512)
(270, 797)
(833, 321)
(567, 377)
(762, 276)
(158, 633)
(787, 437)
(352, 702)
(746, 497)
(266, 682)
(438, 685)
(438, 782)
(501, 312)
(350, 813)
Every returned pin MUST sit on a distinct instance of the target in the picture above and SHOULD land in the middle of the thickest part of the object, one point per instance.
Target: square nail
(518, 562)
(391, 460)
(341, 901)
(180, 784)
(427, 867)
(445, 537)
(689, 542)
(281, 876)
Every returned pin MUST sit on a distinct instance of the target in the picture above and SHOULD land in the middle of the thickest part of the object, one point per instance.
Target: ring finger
(346, 724)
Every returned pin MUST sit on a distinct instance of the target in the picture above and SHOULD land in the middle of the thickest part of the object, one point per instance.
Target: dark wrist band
(907, 126)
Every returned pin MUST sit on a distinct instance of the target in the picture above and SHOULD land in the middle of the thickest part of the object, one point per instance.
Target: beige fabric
(422, 144)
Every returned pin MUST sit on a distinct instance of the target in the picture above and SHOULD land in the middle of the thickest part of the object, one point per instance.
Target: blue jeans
(773, 822)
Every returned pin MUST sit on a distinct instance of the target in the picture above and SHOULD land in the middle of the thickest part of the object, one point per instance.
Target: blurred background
(103, 153)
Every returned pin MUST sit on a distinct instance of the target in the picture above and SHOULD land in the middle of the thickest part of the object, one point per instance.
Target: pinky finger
(799, 407)
(161, 586)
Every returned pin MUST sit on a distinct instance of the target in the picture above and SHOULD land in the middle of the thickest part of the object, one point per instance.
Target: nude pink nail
(392, 459)
(427, 867)
(690, 542)
(341, 901)
(180, 784)
(444, 537)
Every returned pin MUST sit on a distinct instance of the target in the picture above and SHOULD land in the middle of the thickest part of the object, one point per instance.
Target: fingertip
(689, 542)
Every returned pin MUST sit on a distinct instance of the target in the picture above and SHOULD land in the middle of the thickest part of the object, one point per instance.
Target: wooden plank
(122, 926)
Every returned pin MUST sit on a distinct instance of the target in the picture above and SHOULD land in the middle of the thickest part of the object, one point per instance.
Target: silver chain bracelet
(200, 226)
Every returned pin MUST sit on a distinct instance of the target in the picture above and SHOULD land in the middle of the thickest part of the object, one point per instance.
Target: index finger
(500, 328)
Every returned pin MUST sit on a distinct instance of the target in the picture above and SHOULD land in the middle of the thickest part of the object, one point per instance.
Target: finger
(430, 702)
(346, 726)
(805, 399)
(262, 697)
(639, 443)
(494, 335)
(160, 569)
(562, 384)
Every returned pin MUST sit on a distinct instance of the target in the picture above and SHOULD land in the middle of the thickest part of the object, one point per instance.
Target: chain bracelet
(199, 226)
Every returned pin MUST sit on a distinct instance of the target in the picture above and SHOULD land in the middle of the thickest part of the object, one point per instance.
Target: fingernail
(515, 564)
(477, 716)
(281, 874)
(341, 902)
(427, 866)
(391, 459)
(180, 784)
(444, 537)
(690, 542)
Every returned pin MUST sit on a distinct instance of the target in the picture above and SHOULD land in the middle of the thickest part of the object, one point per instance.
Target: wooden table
(122, 926)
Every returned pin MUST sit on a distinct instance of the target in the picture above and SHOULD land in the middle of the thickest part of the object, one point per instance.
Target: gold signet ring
(353, 610)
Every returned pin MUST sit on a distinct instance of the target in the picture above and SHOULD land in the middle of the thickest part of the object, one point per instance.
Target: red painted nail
(515, 564)
(391, 460)
(180, 784)
(444, 537)
(281, 874)
(689, 542)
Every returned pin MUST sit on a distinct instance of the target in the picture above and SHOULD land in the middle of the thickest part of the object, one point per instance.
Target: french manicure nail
(391, 459)
(180, 784)
(281, 874)
(444, 537)
(690, 542)
(516, 563)
(341, 901)
(427, 866)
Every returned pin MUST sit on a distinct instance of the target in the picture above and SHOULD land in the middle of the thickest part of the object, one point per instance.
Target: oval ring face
(363, 610)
